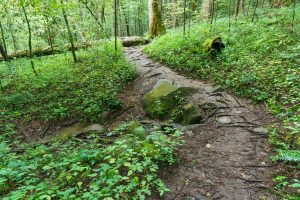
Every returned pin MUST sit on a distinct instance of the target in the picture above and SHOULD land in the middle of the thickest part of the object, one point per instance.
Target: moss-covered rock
(191, 114)
(164, 97)
(214, 45)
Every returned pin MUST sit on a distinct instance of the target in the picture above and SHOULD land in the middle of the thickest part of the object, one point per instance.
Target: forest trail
(227, 157)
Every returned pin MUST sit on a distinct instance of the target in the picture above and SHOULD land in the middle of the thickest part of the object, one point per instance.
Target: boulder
(192, 114)
(163, 98)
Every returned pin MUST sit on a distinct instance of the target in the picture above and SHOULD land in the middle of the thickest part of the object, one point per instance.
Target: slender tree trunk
(206, 9)
(119, 18)
(249, 6)
(294, 12)
(69, 31)
(190, 16)
(156, 26)
(212, 12)
(239, 7)
(103, 14)
(126, 18)
(14, 40)
(1, 86)
(141, 31)
(3, 38)
(85, 3)
(193, 6)
(29, 38)
(229, 15)
(184, 16)
(50, 39)
(254, 12)
(3, 52)
(175, 18)
(116, 23)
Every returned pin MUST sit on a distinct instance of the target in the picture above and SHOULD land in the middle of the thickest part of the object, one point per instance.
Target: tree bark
(206, 9)
(239, 7)
(116, 22)
(175, 19)
(194, 2)
(254, 12)
(29, 38)
(126, 18)
(156, 26)
(69, 31)
(85, 3)
(3, 38)
(184, 16)
(103, 14)
(3, 53)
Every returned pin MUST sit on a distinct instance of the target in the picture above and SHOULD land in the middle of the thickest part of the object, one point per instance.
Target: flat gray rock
(224, 120)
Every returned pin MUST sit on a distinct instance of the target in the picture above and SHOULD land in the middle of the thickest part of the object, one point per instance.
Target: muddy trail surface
(224, 158)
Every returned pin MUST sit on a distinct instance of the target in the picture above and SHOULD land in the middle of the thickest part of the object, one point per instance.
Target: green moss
(157, 27)
(160, 102)
(191, 114)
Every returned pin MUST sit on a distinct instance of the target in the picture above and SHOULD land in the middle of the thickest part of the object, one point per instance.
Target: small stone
(261, 130)
(208, 146)
(224, 120)
(190, 133)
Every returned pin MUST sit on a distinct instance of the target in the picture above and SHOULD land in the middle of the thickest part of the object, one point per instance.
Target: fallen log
(134, 41)
(49, 50)
(126, 41)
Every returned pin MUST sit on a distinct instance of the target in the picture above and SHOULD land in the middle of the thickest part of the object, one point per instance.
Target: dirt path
(225, 158)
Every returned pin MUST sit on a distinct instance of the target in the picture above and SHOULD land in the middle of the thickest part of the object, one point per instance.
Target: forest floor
(225, 158)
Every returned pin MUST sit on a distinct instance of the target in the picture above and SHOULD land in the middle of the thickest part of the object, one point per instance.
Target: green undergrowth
(62, 89)
(261, 61)
(125, 166)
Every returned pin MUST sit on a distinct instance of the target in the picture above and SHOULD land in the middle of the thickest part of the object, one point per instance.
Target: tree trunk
(175, 19)
(93, 14)
(126, 18)
(3, 38)
(116, 22)
(140, 23)
(103, 14)
(184, 16)
(239, 7)
(49, 35)
(29, 38)
(294, 12)
(254, 12)
(3, 53)
(206, 9)
(69, 31)
(156, 26)
(194, 5)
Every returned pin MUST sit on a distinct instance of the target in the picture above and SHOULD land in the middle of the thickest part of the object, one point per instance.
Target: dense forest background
(62, 63)
(92, 20)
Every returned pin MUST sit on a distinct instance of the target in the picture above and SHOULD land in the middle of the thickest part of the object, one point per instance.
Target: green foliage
(77, 169)
(63, 89)
(288, 155)
(260, 61)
